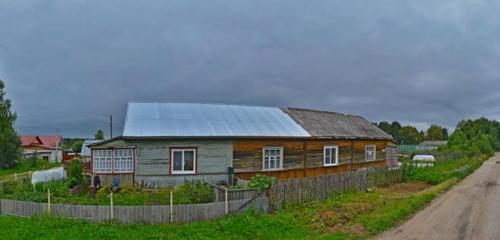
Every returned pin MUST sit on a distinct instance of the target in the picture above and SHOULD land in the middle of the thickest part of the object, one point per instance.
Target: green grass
(28, 165)
(185, 194)
(445, 170)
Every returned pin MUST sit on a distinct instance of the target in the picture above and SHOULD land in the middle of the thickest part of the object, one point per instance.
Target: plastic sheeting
(48, 175)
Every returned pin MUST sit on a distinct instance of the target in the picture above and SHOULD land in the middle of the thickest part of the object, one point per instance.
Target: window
(123, 161)
(370, 153)
(331, 155)
(183, 161)
(113, 161)
(102, 161)
(272, 158)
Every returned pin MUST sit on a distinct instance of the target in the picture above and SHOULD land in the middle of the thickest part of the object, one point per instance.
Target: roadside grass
(27, 165)
(350, 215)
(445, 170)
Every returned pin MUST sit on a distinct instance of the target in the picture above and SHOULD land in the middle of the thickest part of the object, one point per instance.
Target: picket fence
(321, 187)
(135, 214)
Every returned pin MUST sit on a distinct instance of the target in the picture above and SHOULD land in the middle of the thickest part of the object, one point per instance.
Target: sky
(69, 64)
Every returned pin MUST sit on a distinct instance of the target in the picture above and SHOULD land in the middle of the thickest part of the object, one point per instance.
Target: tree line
(410, 135)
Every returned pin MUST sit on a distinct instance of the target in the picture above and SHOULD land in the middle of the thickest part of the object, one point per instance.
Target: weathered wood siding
(303, 158)
(152, 165)
(248, 154)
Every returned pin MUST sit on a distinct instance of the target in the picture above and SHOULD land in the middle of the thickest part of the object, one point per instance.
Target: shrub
(75, 172)
(193, 192)
(261, 183)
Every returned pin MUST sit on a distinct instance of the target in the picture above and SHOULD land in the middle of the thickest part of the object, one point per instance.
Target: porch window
(370, 153)
(183, 161)
(123, 161)
(102, 161)
(113, 161)
(272, 158)
(331, 155)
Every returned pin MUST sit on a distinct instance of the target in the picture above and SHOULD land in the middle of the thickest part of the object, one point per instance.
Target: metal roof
(157, 119)
(85, 147)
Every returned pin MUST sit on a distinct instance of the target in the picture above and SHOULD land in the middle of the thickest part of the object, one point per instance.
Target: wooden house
(44, 147)
(167, 144)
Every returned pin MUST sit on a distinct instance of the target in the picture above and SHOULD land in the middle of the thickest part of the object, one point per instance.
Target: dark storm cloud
(68, 64)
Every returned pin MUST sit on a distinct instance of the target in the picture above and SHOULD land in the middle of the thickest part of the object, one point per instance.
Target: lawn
(353, 215)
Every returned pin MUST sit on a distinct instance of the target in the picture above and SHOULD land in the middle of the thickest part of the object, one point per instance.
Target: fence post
(226, 202)
(15, 176)
(111, 209)
(171, 206)
(48, 201)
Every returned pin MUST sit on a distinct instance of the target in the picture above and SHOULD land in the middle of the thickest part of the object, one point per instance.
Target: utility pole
(110, 126)
(57, 145)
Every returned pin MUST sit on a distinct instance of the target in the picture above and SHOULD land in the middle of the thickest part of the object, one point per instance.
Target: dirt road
(471, 210)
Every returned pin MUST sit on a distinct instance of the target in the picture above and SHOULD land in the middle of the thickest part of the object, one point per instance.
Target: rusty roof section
(323, 124)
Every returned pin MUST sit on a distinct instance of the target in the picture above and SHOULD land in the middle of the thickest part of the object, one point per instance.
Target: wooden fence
(135, 214)
(235, 194)
(321, 187)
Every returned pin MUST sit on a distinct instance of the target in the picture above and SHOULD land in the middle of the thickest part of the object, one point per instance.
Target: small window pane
(189, 161)
(177, 161)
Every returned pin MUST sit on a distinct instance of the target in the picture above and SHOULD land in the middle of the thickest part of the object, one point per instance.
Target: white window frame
(374, 153)
(329, 147)
(104, 164)
(123, 163)
(280, 167)
(183, 150)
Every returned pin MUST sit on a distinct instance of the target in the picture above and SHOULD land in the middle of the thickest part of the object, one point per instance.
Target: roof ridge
(206, 103)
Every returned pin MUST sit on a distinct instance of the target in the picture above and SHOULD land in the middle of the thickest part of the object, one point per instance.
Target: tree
(391, 129)
(77, 146)
(436, 132)
(410, 135)
(10, 144)
(99, 135)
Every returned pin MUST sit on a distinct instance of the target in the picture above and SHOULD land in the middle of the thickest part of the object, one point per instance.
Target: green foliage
(474, 137)
(75, 172)
(77, 146)
(444, 170)
(99, 135)
(410, 135)
(25, 165)
(10, 144)
(436, 132)
(194, 192)
(261, 182)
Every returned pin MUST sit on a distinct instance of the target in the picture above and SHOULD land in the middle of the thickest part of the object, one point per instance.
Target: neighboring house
(423, 146)
(86, 153)
(44, 147)
(166, 144)
(431, 145)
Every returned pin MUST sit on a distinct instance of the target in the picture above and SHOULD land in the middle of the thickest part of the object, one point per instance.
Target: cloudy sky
(69, 64)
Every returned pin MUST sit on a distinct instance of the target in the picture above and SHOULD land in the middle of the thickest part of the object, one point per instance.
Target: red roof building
(45, 147)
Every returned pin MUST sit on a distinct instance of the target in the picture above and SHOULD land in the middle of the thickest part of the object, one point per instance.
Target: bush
(75, 172)
(261, 183)
(193, 192)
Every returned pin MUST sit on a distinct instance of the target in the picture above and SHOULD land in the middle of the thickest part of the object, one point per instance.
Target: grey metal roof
(157, 119)
(85, 147)
(335, 125)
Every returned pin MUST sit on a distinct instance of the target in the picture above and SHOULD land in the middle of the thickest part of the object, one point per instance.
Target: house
(44, 147)
(431, 145)
(86, 153)
(166, 144)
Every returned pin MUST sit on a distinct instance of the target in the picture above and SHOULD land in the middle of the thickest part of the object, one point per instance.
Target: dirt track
(470, 210)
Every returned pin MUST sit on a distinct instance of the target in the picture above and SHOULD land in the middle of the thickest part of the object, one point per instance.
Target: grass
(351, 215)
(27, 165)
